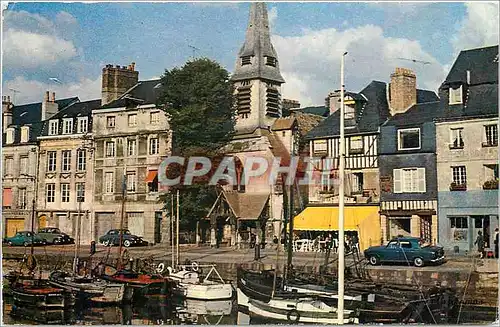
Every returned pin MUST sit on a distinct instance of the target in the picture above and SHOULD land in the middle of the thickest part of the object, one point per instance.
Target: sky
(63, 47)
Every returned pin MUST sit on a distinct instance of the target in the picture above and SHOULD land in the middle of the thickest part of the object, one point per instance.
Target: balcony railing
(491, 185)
(458, 187)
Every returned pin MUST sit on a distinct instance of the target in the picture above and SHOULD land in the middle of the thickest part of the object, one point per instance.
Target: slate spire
(257, 58)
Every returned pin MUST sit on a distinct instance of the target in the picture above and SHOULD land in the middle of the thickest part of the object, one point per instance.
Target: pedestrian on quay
(496, 242)
(480, 244)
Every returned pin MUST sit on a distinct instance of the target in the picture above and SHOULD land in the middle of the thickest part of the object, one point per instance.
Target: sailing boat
(188, 280)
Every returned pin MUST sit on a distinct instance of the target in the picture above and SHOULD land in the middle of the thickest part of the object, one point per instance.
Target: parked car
(112, 237)
(408, 250)
(54, 236)
(24, 238)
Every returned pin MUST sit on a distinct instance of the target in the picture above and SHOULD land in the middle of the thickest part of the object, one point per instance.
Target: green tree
(198, 99)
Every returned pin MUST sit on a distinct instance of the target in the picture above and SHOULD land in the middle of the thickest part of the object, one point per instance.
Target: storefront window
(459, 229)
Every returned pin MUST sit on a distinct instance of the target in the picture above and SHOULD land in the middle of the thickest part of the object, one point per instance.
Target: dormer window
(9, 137)
(68, 126)
(349, 113)
(246, 60)
(82, 125)
(25, 134)
(455, 95)
(409, 139)
(53, 127)
(271, 61)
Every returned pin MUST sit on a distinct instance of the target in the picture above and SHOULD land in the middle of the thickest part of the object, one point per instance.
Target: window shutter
(397, 180)
(421, 179)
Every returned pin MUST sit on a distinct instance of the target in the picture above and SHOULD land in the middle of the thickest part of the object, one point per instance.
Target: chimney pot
(53, 97)
(117, 66)
(132, 65)
(46, 98)
(8, 98)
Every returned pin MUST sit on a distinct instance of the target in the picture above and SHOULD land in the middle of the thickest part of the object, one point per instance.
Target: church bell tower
(257, 78)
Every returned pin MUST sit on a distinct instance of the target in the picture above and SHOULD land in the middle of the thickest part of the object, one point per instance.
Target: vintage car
(407, 250)
(54, 236)
(24, 238)
(112, 237)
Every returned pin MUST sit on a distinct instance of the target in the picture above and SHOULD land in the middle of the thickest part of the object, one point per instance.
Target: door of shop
(480, 223)
(13, 226)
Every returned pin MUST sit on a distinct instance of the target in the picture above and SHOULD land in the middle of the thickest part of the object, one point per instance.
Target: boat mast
(290, 235)
(177, 229)
(340, 308)
(78, 229)
(172, 230)
(124, 195)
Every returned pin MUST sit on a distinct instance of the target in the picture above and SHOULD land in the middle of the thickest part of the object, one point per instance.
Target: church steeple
(257, 57)
(257, 76)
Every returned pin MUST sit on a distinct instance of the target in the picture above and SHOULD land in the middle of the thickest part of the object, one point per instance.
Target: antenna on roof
(14, 96)
(194, 50)
(415, 61)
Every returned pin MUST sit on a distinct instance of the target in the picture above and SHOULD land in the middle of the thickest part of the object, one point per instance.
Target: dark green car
(54, 235)
(24, 238)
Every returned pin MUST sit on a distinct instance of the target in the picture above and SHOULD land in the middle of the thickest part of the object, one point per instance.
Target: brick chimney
(402, 90)
(6, 112)
(117, 80)
(332, 101)
(49, 106)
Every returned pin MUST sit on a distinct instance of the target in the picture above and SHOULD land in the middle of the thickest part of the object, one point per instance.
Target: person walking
(480, 244)
(496, 242)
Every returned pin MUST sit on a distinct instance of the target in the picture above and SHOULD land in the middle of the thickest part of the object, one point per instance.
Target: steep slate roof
(418, 114)
(480, 62)
(481, 95)
(144, 92)
(31, 114)
(79, 109)
(368, 117)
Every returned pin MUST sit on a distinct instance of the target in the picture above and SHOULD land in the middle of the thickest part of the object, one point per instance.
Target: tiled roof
(246, 205)
(481, 64)
(306, 122)
(144, 92)
(318, 110)
(283, 123)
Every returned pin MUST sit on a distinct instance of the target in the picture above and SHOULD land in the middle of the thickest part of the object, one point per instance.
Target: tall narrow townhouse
(407, 162)
(22, 124)
(65, 182)
(131, 136)
(467, 150)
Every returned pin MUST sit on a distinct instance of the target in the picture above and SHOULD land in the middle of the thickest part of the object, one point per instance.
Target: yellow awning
(363, 219)
(327, 218)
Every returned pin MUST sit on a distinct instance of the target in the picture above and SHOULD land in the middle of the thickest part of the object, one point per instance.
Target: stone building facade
(467, 150)
(131, 138)
(65, 171)
(21, 126)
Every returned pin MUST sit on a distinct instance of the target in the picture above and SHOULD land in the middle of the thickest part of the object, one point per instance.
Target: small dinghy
(93, 289)
(38, 293)
(190, 286)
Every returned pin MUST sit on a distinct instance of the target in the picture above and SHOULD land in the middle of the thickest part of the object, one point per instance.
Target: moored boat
(93, 289)
(189, 285)
(29, 292)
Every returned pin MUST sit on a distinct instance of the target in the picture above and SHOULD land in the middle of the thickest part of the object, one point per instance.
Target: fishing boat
(300, 310)
(189, 284)
(38, 293)
(87, 288)
(140, 284)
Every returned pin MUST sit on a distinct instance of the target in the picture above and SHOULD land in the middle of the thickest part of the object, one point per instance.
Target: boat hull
(209, 292)
(303, 311)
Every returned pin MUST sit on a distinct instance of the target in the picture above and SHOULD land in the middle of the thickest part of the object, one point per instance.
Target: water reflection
(151, 312)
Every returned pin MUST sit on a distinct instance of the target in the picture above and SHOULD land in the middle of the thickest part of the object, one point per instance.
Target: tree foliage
(198, 99)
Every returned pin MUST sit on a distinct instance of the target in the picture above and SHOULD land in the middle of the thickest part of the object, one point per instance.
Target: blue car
(407, 250)
(24, 238)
